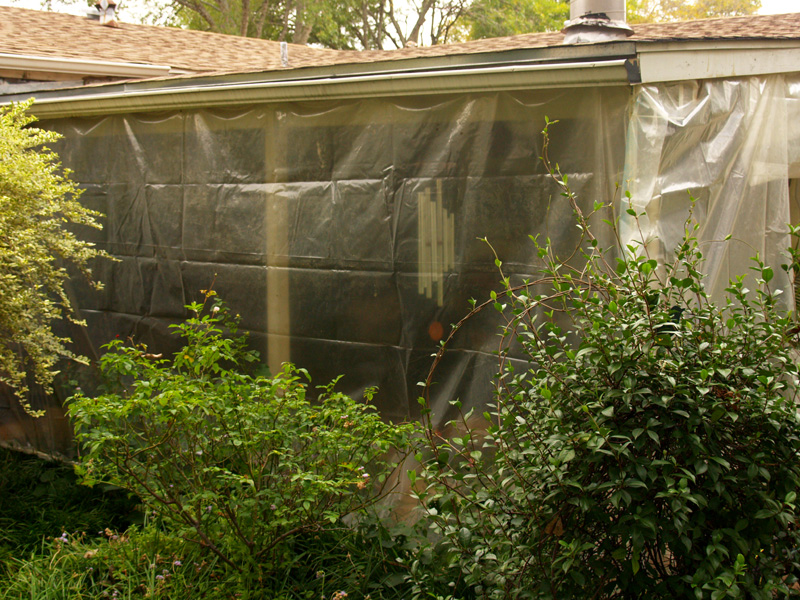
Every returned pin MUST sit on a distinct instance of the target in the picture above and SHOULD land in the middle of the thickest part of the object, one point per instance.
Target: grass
(60, 541)
(143, 563)
(40, 500)
(147, 562)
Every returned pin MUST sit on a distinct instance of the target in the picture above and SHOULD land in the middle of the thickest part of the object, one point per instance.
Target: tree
(654, 11)
(37, 200)
(340, 24)
(496, 18)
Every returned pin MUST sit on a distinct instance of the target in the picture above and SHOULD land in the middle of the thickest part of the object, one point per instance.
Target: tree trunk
(302, 30)
(413, 35)
(245, 21)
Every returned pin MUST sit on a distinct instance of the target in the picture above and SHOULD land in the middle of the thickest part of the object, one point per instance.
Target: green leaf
(635, 483)
(464, 536)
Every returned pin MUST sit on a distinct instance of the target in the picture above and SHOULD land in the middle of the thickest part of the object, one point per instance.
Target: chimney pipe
(593, 21)
(107, 9)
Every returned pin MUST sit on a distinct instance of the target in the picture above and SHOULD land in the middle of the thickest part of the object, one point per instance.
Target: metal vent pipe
(613, 9)
(594, 21)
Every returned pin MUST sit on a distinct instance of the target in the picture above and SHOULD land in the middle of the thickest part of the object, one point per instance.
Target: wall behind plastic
(344, 233)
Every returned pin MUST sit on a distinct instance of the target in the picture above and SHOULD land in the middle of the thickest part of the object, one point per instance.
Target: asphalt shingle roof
(760, 27)
(50, 34)
(40, 33)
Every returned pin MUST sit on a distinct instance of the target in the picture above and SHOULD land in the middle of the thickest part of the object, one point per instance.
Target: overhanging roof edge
(56, 64)
(132, 97)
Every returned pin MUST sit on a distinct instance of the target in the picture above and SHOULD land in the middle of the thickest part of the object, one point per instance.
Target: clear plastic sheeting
(345, 233)
(733, 146)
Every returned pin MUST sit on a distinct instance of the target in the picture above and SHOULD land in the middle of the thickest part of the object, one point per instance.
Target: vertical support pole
(277, 229)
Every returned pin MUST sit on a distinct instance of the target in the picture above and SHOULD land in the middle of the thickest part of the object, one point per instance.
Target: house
(335, 199)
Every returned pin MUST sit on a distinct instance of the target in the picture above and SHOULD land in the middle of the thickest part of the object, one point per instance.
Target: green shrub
(649, 449)
(39, 207)
(247, 467)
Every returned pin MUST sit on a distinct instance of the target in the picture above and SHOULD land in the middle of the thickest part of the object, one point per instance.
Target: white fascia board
(673, 62)
(94, 68)
(220, 93)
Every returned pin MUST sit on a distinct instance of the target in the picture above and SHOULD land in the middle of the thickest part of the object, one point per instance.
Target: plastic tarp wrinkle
(732, 145)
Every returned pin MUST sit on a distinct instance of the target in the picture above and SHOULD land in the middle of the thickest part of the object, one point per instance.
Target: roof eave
(327, 83)
(80, 67)
(622, 63)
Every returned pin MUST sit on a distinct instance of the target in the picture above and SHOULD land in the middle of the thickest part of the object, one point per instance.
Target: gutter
(74, 66)
(221, 91)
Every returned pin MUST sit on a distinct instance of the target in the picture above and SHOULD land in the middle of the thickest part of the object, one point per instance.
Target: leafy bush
(37, 199)
(247, 467)
(648, 450)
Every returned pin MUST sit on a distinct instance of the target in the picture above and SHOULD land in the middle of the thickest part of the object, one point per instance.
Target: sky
(777, 7)
(768, 7)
